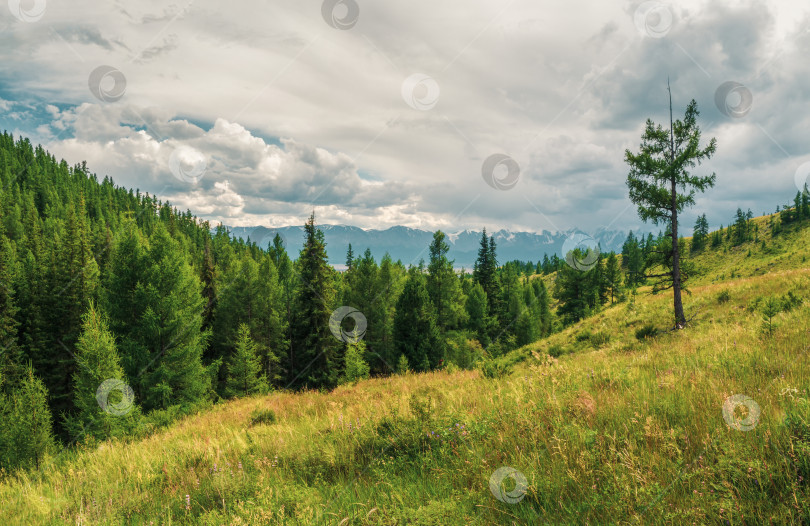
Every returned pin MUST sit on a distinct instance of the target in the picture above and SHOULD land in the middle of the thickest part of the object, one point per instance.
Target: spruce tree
(11, 358)
(286, 282)
(613, 277)
(349, 257)
(698, 236)
(208, 275)
(576, 292)
(98, 361)
(355, 367)
(485, 272)
(477, 306)
(156, 308)
(315, 352)
(170, 328)
(27, 421)
(245, 375)
(389, 284)
(415, 332)
(443, 285)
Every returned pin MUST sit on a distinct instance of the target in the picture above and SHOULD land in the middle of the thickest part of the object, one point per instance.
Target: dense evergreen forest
(119, 313)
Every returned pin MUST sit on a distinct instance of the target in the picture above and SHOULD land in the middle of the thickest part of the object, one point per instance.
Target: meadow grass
(616, 429)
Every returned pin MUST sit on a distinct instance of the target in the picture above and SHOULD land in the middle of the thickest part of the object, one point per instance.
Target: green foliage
(416, 334)
(771, 307)
(98, 361)
(315, 359)
(485, 273)
(599, 338)
(556, 350)
(646, 332)
(402, 365)
(577, 290)
(443, 286)
(462, 351)
(355, 368)
(723, 296)
(700, 234)
(661, 185)
(168, 327)
(245, 375)
(262, 417)
(26, 435)
(494, 368)
(480, 322)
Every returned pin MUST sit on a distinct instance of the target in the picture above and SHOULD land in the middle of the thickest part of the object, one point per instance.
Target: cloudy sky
(377, 114)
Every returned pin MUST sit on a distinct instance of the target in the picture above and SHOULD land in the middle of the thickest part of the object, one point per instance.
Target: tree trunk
(680, 319)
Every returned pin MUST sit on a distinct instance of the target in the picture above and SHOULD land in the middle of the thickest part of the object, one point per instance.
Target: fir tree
(244, 367)
(477, 308)
(208, 277)
(314, 356)
(27, 423)
(415, 331)
(612, 277)
(11, 358)
(349, 257)
(443, 286)
(97, 361)
(355, 367)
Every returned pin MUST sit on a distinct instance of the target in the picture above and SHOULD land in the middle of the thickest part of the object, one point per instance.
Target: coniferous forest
(119, 313)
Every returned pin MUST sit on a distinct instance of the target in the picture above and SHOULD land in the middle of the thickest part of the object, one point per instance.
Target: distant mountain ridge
(410, 244)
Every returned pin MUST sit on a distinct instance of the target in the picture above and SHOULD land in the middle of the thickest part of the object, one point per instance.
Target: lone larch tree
(661, 185)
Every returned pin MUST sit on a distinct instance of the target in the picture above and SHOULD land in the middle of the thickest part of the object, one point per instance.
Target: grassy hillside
(613, 420)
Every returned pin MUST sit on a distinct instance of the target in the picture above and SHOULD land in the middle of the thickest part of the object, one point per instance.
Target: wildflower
(188, 502)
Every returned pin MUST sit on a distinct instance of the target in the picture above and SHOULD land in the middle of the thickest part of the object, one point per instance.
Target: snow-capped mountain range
(410, 245)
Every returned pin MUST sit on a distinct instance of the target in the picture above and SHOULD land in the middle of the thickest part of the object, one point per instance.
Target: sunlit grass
(616, 429)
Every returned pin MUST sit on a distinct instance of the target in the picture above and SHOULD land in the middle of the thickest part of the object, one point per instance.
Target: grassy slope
(617, 430)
